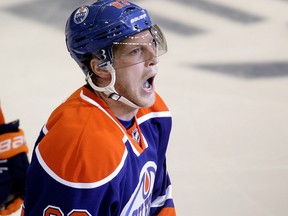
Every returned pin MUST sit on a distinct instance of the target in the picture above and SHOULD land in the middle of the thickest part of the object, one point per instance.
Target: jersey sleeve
(160, 116)
(68, 175)
(58, 198)
(162, 201)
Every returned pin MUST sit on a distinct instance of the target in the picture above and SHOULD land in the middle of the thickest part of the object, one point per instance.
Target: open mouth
(148, 84)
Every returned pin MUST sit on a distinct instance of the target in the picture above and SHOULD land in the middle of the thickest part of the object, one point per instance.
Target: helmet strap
(109, 90)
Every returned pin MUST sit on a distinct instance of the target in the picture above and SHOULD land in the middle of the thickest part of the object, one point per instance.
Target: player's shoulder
(77, 111)
(82, 143)
(72, 109)
(159, 104)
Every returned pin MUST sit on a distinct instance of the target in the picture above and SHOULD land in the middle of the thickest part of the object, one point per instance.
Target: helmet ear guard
(110, 87)
(109, 90)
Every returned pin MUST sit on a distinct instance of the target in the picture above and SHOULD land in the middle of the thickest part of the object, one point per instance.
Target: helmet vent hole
(80, 39)
(129, 9)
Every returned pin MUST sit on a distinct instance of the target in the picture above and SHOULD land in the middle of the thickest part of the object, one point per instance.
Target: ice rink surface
(225, 79)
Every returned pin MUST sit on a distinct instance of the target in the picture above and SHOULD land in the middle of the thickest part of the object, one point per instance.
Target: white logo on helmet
(81, 14)
(143, 16)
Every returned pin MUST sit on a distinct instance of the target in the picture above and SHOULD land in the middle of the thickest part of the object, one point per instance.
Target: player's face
(135, 63)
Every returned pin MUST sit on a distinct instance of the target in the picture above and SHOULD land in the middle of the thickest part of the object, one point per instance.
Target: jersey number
(8, 144)
(55, 211)
(120, 3)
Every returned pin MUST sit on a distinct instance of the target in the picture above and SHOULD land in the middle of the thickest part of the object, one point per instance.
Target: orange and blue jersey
(85, 162)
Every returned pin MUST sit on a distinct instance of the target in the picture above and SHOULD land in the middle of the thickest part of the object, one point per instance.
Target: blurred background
(225, 79)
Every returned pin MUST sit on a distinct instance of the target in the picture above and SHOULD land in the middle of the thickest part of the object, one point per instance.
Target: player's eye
(135, 51)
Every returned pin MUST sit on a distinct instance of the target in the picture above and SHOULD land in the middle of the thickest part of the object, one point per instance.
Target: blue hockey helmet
(92, 30)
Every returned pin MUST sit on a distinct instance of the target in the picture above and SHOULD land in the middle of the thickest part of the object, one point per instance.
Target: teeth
(147, 85)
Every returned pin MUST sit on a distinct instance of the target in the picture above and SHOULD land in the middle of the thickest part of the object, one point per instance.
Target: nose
(153, 61)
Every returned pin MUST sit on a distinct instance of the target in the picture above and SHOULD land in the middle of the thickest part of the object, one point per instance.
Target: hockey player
(13, 166)
(102, 151)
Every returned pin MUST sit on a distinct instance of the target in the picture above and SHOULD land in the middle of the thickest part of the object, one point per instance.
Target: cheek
(129, 77)
(123, 82)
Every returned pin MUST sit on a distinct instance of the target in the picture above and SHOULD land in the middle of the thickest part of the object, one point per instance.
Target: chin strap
(109, 90)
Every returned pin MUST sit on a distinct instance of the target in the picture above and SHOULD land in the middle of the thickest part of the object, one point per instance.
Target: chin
(147, 101)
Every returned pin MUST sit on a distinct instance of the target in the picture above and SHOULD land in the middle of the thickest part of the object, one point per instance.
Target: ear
(98, 71)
